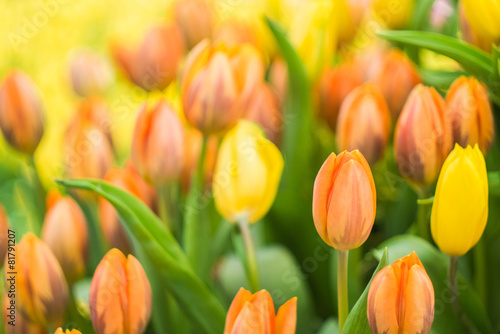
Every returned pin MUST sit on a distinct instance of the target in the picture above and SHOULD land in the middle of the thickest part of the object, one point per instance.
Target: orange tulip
(21, 112)
(153, 65)
(278, 78)
(14, 322)
(233, 33)
(195, 19)
(469, 112)
(42, 291)
(218, 83)
(255, 314)
(422, 139)
(120, 295)
(265, 110)
(4, 226)
(344, 200)
(364, 123)
(90, 73)
(65, 232)
(401, 298)
(73, 331)
(333, 86)
(158, 143)
(396, 76)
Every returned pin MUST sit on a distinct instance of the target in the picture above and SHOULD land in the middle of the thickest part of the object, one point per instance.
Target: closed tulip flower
(460, 207)
(278, 78)
(247, 173)
(4, 226)
(344, 200)
(65, 232)
(483, 17)
(195, 20)
(120, 295)
(90, 73)
(254, 313)
(42, 291)
(158, 143)
(333, 87)
(401, 298)
(395, 14)
(396, 76)
(22, 326)
(469, 112)
(218, 83)
(422, 139)
(73, 331)
(364, 123)
(21, 112)
(483, 42)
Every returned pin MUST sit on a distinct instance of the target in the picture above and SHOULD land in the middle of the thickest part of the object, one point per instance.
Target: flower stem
(251, 259)
(423, 211)
(343, 302)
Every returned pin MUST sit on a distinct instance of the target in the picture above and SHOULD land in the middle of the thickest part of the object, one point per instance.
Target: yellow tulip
(483, 17)
(460, 208)
(247, 173)
(61, 331)
(395, 14)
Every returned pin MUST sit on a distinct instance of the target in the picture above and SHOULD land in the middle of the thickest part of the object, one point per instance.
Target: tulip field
(250, 167)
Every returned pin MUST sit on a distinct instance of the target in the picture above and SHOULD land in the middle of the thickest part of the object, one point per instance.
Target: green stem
(479, 253)
(39, 190)
(164, 204)
(423, 213)
(251, 267)
(343, 301)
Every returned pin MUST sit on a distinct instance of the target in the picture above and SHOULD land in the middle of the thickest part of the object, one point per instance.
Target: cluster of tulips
(206, 152)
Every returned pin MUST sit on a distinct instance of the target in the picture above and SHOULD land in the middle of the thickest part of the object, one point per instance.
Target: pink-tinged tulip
(146, 191)
(255, 314)
(21, 112)
(90, 73)
(65, 232)
(396, 76)
(158, 143)
(469, 111)
(120, 295)
(401, 298)
(344, 200)
(195, 20)
(218, 84)
(73, 331)
(422, 139)
(93, 111)
(265, 110)
(278, 78)
(333, 86)
(14, 322)
(441, 12)
(364, 123)
(42, 291)
(233, 33)
(153, 65)
(4, 226)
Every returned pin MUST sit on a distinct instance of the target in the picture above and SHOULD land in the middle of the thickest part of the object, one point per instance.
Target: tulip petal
(286, 320)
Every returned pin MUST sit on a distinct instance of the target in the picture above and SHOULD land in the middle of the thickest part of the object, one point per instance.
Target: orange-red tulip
(120, 295)
(265, 110)
(153, 65)
(364, 123)
(344, 200)
(401, 298)
(21, 112)
(42, 291)
(14, 322)
(422, 139)
(218, 83)
(65, 232)
(396, 76)
(333, 86)
(195, 19)
(90, 73)
(4, 226)
(158, 143)
(255, 314)
(469, 112)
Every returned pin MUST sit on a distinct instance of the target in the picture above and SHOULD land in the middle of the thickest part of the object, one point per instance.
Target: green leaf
(357, 321)
(494, 183)
(164, 260)
(439, 78)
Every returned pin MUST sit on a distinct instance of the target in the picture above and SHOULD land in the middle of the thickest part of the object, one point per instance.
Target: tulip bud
(65, 232)
(395, 14)
(42, 291)
(120, 295)
(217, 85)
(153, 65)
(158, 143)
(195, 19)
(441, 12)
(422, 139)
(460, 208)
(344, 200)
(21, 112)
(396, 76)
(146, 191)
(73, 331)
(278, 78)
(401, 298)
(233, 33)
(469, 35)
(483, 17)
(22, 326)
(4, 226)
(333, 86)
(255, 314)
(247, 173)
(265, 110)
(349, 16)
(90, 73)
(364, 123)
(469, 112)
